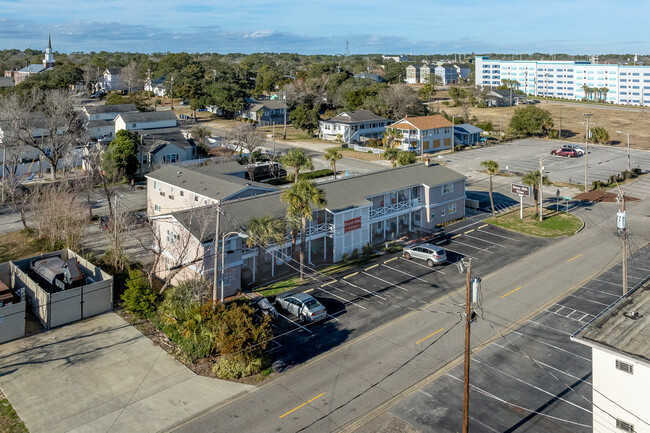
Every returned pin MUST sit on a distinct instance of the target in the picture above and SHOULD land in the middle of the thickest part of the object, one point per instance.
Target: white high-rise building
(616, 84)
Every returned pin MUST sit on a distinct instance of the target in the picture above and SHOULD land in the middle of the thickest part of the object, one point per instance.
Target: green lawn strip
(295, 282)
(10, 422)
(18, 245)
(554, 224)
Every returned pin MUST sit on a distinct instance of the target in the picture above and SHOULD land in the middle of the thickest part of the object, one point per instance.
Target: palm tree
(391, 154)
(391, 136)
(300, 197)
(293, 222)
(297, 159)
(492, 168)
(332, 155)
(587, 90)
(264, 232)
(532, 179)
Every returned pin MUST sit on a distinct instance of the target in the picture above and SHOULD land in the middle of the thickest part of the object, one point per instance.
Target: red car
(564, 152)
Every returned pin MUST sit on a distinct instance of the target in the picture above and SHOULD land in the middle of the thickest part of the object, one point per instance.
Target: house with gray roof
(369, 208)
(266, 112)
(107, 112)
(352, 127)
(146, 120)
(466, 134)
(619, 338)
(112, 79)
(36, 68)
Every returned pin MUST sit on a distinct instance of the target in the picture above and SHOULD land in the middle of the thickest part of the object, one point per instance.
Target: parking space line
(483, 240)
(574, 258)
(390, 260)
(472, 246)
(343, 299)
(464, 227)
(371, 267)
(550, 345)
(512, 291)
(605, 281)
(309, 290)
(616, 295)
(590, 300)
(469, 231)
(406, 273)
(365, 290)
(424, 266)
(455, 236)
(328, 283)
(460, 254)
(350, 275)
(550, 327)
(385, 281)
(484, 225)
(304, 404)
(294, 322)
(430, 335)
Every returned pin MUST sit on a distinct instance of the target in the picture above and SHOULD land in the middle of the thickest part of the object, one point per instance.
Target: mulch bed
(600, 196)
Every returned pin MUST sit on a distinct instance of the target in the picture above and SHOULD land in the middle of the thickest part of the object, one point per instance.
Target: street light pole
(587, 115)
(541, 182)
(171, 90)
(627, 134)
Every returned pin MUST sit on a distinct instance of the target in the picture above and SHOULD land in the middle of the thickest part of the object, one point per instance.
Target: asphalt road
(373, 366)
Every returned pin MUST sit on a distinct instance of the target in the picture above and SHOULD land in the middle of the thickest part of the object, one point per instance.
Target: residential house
(6, 82)
(353, 127)
(425, 72)
(447, 73)
(36, 68)
(424, 134)
(466, 134)
(370, 76)
(112, 79)
(176, 188)
(267, 112)
(101, 119)
(619, 339)
(504, 98)
(146, 120)
(412, 74)
(369, 208)
(157, 87)
(164, 146)
(462, 71)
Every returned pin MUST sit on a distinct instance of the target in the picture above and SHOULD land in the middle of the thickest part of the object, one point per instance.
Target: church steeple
(48, 60)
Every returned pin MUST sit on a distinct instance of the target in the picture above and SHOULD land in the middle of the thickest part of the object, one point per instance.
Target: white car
(577, 149)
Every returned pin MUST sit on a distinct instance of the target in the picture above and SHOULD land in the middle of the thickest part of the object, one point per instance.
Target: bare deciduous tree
(131, 76)
(246, 136)
(45, 121)
(59, 216)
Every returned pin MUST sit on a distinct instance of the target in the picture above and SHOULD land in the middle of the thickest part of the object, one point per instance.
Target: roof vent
(634, 315)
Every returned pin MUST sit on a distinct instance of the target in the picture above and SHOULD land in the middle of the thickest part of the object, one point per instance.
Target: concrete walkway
(102, 375)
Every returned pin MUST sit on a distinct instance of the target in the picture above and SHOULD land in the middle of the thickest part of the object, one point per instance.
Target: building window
(196, 197)
(156, 185)
(447, 188)
(172, 237)
(625, 426)
(181, 193)
(624, 366)
(442, 211)
(432, 214)
(156, 208)
(133, 125)
(452, 208)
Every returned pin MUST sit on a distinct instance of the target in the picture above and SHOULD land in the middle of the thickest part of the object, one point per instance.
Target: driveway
(102, 375)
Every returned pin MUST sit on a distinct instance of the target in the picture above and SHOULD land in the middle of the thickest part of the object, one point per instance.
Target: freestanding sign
(522, 191)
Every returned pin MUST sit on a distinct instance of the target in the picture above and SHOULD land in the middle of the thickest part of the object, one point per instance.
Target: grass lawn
(9, 420)
(351, 153)
(18, 245)
(554, 224)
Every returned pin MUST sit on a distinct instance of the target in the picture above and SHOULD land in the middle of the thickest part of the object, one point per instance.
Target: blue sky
(312, 27)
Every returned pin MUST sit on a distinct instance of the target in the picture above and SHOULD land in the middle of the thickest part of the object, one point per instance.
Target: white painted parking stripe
(497, 234)
(580, 319)
(294, 322)
(406, 273)
(616, 295)
(486, 241)
(608, 282)
(549, 327)
(342, 298)
(425, 393)
(424, 266)
(472, 246)
(555, 396)
(590, 300)
(385, 281)
(365, 290)
(468, 225)
(550, 345)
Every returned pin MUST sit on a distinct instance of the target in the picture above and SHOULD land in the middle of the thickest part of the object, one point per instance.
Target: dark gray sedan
(302, 305)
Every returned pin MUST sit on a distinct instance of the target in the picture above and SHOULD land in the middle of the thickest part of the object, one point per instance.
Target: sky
(323, 27)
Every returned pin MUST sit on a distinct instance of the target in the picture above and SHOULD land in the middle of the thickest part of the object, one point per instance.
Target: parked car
(569, 153)
(433, 254)
(302, 305)
(579, 150)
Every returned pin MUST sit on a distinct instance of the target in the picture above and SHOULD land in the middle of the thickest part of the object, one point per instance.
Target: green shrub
(445, 102)
(345, 257)
(485, 125)
(367, 249)
(599, 135)
(138, 298)
(355, 254)
(311, 175)
(234, 368)
(553, 134)
(636, 172)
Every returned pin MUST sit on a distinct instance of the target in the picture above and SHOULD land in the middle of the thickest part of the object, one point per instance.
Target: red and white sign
(353, 224)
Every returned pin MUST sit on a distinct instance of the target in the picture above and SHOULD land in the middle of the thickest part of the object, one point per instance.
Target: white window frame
(172, 237)
(447, 188)
(156, 208)
(156, 185)
(453, 208)
(442, 211)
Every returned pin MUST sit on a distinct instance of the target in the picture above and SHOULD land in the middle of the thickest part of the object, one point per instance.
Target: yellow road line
(455, 236)
(469, 231)
(484, 225)
(574, 258)
(430, 335)
(309, 290)
(351, 275)
(328, 283)
(512, 291)
(390, 260)
(373, 266)
(304, 404)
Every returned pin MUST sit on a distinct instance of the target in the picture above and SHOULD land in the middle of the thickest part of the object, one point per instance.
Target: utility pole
(473, 287)
(561, 114)
(216, 256)
(541, 182)
(284, 96)
(4, 170)
(453, 124)
(171, 90)
(621, 224)
(587, 115)
(141, 144)
(629, 163)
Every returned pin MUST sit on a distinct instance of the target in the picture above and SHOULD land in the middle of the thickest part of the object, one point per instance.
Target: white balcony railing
(394, 208)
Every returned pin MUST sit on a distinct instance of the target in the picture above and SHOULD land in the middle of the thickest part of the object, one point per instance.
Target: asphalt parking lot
(361, 299)
(522, 156)
(534, 379)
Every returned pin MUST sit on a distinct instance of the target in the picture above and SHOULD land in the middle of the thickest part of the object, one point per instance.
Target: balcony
(394, 208)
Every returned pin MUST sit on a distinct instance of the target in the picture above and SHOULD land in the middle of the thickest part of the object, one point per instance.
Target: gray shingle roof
(268, 104)
(354, 116)
(467, 128)
(34, 68)
(148, 116)
(206, 181)
(153, 138)
(117, 108)
(618, 329)
(341, 194)
(6, 82)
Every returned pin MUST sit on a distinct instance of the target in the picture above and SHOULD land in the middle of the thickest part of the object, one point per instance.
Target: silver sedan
(303, 306)
(433, 254)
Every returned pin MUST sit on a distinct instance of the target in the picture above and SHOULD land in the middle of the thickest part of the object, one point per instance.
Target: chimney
(427, 161)
(406, 117)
